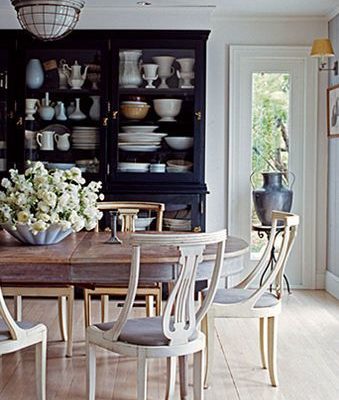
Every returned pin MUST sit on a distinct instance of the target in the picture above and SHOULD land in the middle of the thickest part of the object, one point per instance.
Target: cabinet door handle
(115, 114)
(19, 122)
(197, 229)
(10, 115)
(198, 115)
(105, 121)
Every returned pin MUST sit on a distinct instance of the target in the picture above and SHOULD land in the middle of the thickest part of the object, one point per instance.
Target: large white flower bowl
(52, 235)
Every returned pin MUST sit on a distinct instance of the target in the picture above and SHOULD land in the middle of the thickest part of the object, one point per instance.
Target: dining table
(87, 259)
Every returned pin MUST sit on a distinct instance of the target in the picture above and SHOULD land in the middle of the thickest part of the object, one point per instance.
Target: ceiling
(243, 8)
(239, 7)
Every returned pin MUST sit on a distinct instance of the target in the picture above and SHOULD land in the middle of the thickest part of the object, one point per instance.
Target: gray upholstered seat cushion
(4, 332)
(231, 296)
(141, 331)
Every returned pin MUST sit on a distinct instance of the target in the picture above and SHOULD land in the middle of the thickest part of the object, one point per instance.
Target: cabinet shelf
(157, 92)
(64, 92)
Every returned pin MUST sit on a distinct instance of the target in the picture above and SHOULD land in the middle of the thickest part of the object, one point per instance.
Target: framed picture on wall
(333, 111)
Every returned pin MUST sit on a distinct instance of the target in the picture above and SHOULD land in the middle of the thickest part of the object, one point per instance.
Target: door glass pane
(62, 122)
(156, 119)
(270, 135)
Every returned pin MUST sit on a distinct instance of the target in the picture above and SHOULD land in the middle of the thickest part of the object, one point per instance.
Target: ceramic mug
(45, 140)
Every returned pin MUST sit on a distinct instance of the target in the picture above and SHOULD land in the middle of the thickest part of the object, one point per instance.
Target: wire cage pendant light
(48, 20)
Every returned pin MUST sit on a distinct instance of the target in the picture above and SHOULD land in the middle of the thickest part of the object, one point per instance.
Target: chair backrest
(128, 211)
(15, 331)
(180, 320)
(287, 232)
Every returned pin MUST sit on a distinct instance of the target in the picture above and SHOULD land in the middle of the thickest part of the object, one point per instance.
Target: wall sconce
(322, 48)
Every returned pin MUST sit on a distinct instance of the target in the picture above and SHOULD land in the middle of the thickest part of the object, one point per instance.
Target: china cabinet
(126, 107)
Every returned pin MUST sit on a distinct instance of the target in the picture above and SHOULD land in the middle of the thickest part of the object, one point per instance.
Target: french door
(289, 76)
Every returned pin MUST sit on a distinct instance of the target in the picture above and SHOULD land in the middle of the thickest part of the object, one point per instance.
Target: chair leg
(90, 370)
(171, 373)
(183, 377)
(263, 341)
(62, 305)
(198, 375)
(158, 303)
(207, 326)
(272, 349)
(149, 305)
(70, 305)
(87, 308)
(104, 308)
(40, 367)
(18, 308)
(142, 378)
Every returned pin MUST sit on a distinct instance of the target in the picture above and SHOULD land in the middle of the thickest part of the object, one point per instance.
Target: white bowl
(142, 223)
(63, 166)
(179, 142)
(167, 109)
(139, 128)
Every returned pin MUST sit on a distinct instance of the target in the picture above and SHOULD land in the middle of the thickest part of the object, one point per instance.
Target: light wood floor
(308, 358)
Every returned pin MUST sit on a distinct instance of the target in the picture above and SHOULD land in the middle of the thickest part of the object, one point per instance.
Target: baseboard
(332, 284)
(320, 280)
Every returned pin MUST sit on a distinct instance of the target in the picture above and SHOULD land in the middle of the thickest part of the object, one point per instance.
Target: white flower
(23, 217)
(38, 226)
(5, 183)
(40, 198)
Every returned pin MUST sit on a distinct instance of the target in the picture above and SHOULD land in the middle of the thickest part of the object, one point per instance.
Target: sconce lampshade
(48, 19)
(322, 48)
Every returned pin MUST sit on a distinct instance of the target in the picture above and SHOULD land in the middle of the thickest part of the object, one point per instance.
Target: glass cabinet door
(65, 104)
(4, 62)
(155, 136)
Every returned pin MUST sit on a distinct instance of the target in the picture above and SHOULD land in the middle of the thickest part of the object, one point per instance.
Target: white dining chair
(16, 336)
(177, 332)
(243, 301)
(128, 211)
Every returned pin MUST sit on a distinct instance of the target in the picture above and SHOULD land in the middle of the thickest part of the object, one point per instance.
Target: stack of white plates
(174, 224)
(133, 167)
(85, 137)
(139, 128)
(145, 141)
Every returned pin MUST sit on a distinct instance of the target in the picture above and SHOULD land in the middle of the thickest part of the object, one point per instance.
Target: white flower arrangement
(40, 198)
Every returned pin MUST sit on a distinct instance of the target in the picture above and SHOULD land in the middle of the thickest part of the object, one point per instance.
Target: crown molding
(222, 15)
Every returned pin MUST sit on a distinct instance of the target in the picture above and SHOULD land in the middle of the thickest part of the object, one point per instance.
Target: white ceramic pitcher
(62, 141)
(45, 140)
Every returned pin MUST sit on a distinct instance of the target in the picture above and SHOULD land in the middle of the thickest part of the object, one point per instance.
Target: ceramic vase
(60, 113)
(94, 112)
(77, 114)
(34, 74)
(273, 195)
(129, 69)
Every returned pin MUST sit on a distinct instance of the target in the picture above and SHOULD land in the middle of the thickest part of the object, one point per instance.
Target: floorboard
(308, 358)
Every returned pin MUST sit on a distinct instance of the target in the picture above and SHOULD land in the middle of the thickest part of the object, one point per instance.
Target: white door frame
(244, 60)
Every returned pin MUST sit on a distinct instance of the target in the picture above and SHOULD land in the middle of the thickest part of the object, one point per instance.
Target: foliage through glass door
(270, 134)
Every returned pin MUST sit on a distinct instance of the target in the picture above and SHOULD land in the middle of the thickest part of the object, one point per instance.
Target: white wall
(225, 31)
(332, 278)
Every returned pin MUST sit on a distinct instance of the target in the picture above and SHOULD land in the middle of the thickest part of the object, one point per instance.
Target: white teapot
(74, 77)
(62, 141)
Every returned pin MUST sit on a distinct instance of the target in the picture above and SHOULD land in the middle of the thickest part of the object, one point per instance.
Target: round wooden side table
(263, 231)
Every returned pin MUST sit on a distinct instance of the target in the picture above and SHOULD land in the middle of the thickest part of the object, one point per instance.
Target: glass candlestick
(114, 238)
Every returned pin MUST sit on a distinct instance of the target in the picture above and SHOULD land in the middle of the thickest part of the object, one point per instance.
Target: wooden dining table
(86, 259)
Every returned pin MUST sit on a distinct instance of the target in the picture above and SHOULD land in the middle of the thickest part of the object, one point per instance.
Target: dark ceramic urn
(272, 196)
